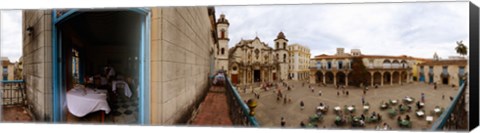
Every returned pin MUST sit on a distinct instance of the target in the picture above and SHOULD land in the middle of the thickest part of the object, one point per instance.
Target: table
(321, 107)
(420, 113)
(337, 108)
(422, 104)
(437, 110)
(82, 101)
(366, 107)
(405, 123)
(408, 99)
(429, 118)
(394, 101)
(126, 89)
(350, 108)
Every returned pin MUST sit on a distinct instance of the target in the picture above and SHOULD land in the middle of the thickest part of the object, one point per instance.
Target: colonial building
(383, 70)
(8, 69)
(451, 71)
(254, 61)
(299, 62)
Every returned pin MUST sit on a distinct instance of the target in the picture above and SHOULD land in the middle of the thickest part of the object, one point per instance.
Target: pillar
(335, 79)
(400, 79)
(346, 80)
(323, 76)
(391, 78)
(372, 79)
(381, 83)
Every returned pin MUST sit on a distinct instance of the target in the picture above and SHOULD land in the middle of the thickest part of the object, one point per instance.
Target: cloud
(416, 29)
(11, 34)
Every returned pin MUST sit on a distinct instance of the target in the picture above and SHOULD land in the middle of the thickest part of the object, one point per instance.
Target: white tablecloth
(337, 108)
(80, 103)
(394, 101)
(366, 107)
(350, 108)
(436, 110)
(321, 107)
(429, 118)
(409, 99)
(420, 113)
(126, 89)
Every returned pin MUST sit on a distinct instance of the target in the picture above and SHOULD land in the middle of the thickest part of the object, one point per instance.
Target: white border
(48, 4)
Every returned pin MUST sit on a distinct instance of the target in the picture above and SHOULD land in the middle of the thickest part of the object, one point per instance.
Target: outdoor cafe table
(437, 110)
(394, 101)
(422, 104)
(366, 107)
(321, 107)
(420, 113)
(81, 102)
(350, 108)
(408, 99)
(337, 108)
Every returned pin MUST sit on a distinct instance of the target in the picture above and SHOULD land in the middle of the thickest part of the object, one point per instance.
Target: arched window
(284, 44)
(222, 33)
(284, 57)
(276, 45)
(223, 51)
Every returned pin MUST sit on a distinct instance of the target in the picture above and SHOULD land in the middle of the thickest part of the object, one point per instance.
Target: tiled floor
(15, 114)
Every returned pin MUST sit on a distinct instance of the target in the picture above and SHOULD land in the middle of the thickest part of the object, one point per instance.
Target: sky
(11, 34)
(414, 29)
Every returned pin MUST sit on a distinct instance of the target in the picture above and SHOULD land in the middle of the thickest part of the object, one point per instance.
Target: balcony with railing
(455, 118)
(13, 92)
(240, 112)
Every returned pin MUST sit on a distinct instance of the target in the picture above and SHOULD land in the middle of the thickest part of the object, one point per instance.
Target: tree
(461, 48)
(359, 72)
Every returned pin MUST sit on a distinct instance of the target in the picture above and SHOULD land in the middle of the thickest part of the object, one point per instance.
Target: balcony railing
(13, 92)
(455, 117)
(239, 111)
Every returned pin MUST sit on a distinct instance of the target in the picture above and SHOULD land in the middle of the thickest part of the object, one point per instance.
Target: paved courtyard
(269, 111)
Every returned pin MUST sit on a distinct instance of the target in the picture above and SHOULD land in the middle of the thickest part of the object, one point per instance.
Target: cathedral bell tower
(281, 53)
(222, 48)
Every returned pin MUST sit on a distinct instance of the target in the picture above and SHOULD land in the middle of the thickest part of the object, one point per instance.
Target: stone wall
(37, 58)
(180, 55)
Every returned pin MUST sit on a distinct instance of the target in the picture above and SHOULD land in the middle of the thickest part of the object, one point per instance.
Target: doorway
(85, 42)
(256, 76)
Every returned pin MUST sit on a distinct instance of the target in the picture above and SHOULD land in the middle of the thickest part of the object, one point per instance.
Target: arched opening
(319, 77)
(329, 77)
(404, 64)
(284, 45)
(377, 78)
(404, 77)
(396, 77)
(387, 64)
(223, 51)
(222, 33)
(284, 57)
(341, 78)
(387, 78)
(395, 64)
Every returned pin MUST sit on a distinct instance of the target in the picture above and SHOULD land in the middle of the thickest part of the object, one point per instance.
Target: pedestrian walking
(302, 125)
(346, 93)
(302, 105)
(443, 96)
(363, 100)
(320, 93)
(423, 97)
(338, 93)
(282, 122)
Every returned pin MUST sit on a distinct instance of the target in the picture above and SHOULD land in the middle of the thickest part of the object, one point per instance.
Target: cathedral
(251, 61)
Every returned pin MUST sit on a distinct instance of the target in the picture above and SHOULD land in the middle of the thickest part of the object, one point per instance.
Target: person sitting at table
(362, 117)
(399, 119)
(321, 104)
(362, 123)
(407, 118)
(302, 125)
(379, 117)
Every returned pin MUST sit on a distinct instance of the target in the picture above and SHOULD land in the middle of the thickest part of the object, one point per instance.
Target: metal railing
(455, 117)
(13, 92)
(239, 111)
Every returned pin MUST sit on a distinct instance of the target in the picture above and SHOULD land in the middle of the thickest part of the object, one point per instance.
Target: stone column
(323, 76)
(381, 83)
(400, 79)
(391, 78)
(335, 79)
(372, 79)
(346, 80)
